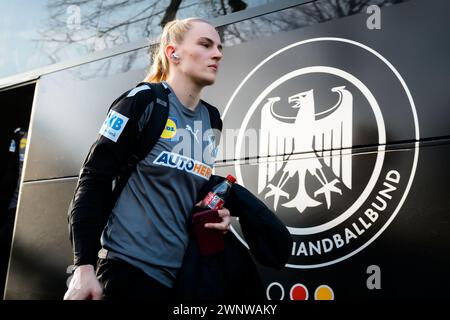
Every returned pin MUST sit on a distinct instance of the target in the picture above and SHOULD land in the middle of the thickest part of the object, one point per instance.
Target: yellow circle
(23, 143)
(324, 292)
(169, 130)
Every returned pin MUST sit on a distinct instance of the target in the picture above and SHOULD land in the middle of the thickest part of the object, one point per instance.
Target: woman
(146, 236)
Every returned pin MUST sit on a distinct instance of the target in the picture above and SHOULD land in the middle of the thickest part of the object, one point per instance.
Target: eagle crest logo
(308, 130)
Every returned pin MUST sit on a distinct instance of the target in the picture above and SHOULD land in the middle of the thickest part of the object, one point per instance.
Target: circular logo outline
(381, 140)
(416, 145)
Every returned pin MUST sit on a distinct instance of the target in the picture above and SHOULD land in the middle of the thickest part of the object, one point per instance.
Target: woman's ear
(170, 50)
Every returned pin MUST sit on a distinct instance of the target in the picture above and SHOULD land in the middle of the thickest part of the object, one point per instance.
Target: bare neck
(186, 91)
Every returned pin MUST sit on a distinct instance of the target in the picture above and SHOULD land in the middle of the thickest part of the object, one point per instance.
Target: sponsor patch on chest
(174, 160)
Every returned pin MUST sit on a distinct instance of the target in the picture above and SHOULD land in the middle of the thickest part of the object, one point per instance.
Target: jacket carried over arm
(267, 237)
(232, 275)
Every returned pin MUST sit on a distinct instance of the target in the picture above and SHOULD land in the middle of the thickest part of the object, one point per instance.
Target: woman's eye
(206, 45)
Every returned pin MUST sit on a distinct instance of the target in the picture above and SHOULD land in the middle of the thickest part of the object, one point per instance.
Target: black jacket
(10, 175)
(93, 198)
(88, 210)
(232, 275)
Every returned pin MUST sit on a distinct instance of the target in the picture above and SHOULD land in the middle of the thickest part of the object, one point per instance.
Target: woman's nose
(218, 54)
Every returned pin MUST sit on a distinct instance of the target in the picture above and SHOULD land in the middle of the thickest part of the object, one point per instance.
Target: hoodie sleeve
(91, 203)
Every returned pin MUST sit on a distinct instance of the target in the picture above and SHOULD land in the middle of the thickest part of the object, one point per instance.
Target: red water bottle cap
(231, 178)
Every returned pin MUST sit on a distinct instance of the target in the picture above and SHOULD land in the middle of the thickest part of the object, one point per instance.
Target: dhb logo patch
(113, 125)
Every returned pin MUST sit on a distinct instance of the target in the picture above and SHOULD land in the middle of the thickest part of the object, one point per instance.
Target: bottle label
(213, 201)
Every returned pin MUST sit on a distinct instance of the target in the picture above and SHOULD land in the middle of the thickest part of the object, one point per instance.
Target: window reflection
(295, 18)
(136, 60)
(58, 30)
(285, 20)
(42, 32)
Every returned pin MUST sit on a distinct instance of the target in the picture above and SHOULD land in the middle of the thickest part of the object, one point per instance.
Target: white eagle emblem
(319, 133)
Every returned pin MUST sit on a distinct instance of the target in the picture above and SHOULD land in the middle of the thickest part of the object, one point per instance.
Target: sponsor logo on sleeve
(113, 126)
(12, 146)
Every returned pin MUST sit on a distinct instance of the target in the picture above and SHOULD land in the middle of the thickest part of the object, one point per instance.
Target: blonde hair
(173, 32)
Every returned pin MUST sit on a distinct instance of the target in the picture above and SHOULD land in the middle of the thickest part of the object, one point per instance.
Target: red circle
(299, 292)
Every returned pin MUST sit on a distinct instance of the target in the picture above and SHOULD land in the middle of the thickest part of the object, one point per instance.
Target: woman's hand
(224, 226)
(84, 285)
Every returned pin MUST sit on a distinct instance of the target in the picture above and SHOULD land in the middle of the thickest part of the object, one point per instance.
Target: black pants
(122, 281)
